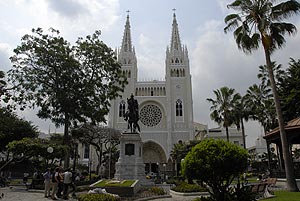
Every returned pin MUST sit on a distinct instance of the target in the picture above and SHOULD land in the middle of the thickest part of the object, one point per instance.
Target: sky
(215, 60)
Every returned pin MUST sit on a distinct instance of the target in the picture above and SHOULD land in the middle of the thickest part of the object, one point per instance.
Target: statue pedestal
(130, 165)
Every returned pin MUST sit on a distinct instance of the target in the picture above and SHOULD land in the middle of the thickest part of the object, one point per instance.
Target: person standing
(47, 180)
(67, 182)
(54, 183)
(60, 182)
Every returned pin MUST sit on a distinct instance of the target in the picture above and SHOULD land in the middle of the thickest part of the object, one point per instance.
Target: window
(122, 108)
(86, 153)
(178, 108)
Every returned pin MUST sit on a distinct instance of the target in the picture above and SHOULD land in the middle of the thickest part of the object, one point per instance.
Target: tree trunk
(243, 133)
(227, 133)
(6, 164)
(66, 142)
(288, 162)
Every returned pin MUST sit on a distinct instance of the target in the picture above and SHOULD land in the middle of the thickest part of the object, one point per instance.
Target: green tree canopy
(290, 91)
(68, 84)
(217, 163)
(14, 128)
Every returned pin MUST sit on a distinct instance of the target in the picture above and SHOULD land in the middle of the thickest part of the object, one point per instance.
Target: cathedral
(165, 107)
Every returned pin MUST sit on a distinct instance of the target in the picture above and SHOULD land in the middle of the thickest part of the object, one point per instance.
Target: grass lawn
(124, 183)
(285, 196)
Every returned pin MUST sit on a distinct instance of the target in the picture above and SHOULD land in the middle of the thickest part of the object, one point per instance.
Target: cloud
(216, 61)
(150, 58)
(73, 18)
(4, 56)
(68, 8)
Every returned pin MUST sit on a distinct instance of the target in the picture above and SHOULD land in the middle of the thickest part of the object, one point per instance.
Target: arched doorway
(154, 157)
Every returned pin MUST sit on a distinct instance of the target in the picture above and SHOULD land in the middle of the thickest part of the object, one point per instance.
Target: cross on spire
(128, 11)
(174, 9)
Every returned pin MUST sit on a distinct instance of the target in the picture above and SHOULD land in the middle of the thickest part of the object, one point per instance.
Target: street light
(50, 150)
(164, 171)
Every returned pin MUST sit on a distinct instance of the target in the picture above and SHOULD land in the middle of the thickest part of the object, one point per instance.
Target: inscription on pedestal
(129, 149)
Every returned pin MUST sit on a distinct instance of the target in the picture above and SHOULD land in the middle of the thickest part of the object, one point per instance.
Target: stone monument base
(130, 165)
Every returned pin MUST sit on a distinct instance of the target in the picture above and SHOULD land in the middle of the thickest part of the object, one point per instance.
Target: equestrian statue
(132, 114)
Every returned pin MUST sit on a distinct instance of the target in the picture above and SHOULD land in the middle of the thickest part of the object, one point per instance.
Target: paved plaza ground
(20, 194)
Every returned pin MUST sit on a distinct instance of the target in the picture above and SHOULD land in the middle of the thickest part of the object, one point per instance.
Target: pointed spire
(175, 39)
(126, 43)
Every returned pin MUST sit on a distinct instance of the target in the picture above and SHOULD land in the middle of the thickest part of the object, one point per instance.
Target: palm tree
(260, 104)
(260, 21)
(222, 107)
(241, 113)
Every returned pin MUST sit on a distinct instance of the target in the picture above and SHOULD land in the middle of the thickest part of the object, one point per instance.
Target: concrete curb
(154, 197)
(189, 194)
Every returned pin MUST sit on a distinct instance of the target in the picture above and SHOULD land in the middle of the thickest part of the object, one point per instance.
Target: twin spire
(175, 38)
(126, 43)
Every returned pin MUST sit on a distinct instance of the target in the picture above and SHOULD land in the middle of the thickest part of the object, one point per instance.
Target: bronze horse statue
(132, 115)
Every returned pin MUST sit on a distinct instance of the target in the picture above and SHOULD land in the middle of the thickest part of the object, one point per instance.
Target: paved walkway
(20, 194)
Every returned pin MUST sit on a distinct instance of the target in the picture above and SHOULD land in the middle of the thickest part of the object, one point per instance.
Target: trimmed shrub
(157, 190)
(188, 188)
(97, 197)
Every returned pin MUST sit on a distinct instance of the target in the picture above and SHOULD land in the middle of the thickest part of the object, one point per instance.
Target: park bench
(271, 182)
(261, 189)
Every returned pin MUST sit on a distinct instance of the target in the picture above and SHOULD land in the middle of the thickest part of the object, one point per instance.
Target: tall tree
(261, 107)
(241, 113)
(4, 90)
(222, 107)
(289, 90)
(68, 84)
(99, 137)
(260, 21)
(2, 83)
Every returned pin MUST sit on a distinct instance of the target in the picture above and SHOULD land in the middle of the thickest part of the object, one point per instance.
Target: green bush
(203, 163)
(157, 190)
(97, 197)
(188, 188)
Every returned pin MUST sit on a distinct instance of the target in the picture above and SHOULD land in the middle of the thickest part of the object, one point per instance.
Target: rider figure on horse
(132, 114)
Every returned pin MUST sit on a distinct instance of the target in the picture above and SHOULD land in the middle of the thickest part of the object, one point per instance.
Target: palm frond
(285, 10)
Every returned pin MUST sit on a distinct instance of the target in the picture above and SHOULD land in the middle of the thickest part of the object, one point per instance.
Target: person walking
(67, 182)
(47, 180)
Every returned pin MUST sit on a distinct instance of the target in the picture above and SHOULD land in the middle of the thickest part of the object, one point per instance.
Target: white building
(259, 150)
(235, 135)
(165, 107)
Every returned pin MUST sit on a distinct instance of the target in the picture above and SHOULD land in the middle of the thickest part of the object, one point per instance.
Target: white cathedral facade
(165, 107)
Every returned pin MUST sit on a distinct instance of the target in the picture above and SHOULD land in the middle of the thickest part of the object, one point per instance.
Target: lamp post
(90, 169)
(164, 171)
(50, 151)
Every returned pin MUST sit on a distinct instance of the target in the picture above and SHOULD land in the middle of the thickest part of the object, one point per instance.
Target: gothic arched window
(179, 108)
(86, 151)
(122, 108)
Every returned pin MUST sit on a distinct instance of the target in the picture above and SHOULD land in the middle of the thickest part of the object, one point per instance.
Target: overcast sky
(215, 60)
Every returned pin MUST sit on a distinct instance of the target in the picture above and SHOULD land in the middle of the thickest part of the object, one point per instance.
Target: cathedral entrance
(154, 157)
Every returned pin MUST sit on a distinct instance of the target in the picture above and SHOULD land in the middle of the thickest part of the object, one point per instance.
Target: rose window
(150, 115)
